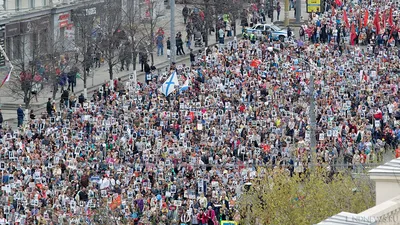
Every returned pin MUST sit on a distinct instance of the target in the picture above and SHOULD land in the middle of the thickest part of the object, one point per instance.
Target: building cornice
(389, 170)
(45, 11)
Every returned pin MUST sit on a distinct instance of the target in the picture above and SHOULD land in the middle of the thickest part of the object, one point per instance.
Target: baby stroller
(198, 39)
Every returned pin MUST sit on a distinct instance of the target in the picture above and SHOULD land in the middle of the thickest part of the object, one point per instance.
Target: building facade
(38, 27)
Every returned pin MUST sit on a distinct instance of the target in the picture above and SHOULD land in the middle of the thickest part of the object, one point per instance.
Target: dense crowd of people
(137, 153)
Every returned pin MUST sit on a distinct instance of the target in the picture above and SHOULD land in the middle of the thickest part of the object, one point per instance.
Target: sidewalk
(304, 14)
(9, 105)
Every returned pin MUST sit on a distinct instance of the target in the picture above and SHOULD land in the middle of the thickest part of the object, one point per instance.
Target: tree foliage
(35, 67)
(308, 198)
(111, 34)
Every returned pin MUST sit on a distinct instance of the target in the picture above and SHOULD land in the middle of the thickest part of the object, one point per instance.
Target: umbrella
(255, 63)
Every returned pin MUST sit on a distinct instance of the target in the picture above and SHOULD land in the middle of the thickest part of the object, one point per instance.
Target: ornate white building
(387, 209)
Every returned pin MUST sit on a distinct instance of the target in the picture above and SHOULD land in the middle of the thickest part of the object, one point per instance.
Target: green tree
(308, 198)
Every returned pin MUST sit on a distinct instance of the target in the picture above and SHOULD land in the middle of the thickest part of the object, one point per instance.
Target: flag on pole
(353, 34)
(185, 86)
(346, 20)
(366, 15)
(384, 19)
(390, 20)
(7, 78)
(377, 22)
(169, 85)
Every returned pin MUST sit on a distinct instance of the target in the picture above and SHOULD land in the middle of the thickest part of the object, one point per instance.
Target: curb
(291, 23)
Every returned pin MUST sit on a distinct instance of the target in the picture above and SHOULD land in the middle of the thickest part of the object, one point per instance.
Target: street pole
(271, 10)
(173, 41)
(298, 11)
(313, 144)
(286, 13)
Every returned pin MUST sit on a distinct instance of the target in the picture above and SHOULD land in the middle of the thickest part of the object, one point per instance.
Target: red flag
(391, 31)
(366, 15)
(384, 20)
(346, 20)
(353, 34)
(333, 11)
(391, 17)
(338, 2)
(377, 22)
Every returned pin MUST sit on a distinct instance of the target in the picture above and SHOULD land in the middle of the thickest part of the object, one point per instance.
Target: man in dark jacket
(147, 71)
(49, 108)
(1, 120)
(20, 116)
(192, 57)
(168, 48)
(185, 13)
(128, 57)
(65, 98)
(81, 99)
(122, 58)
(83, 195)
(179, 45)
(71, 80)
(142, 59)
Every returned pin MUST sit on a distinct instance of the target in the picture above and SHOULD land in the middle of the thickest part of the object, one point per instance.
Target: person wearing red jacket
(202, 217)
(398, 152)
(378, 115)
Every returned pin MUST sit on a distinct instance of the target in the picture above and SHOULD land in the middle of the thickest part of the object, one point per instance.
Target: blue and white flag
(185, 86)
(169, 85)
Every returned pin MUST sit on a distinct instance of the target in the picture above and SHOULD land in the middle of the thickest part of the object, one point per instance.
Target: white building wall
(27, 50)
(385, 213)
(24, 5)
(386, 189)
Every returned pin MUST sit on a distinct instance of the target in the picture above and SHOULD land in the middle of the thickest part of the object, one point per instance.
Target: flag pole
(11, 66)
(5, 56)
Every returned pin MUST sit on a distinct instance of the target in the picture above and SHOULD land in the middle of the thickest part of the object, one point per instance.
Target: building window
(17, 5)
(44, 2)
(35, 45)
(9, 47)
(17, 47)
(62, 37)
(43, 41)
(32, 4)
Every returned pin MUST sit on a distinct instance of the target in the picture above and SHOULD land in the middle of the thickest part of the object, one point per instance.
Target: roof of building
(390, 168)
(345, 218)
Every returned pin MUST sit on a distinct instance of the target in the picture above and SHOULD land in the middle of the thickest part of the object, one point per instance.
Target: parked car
(276, 32)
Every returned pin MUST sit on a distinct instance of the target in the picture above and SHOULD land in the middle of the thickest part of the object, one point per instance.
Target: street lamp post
(311, 114)
(173, 41)
(298, 11)
(313, 123)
